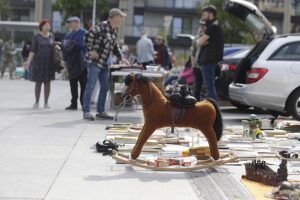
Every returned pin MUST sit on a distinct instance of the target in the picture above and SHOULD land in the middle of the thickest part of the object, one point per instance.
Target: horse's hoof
(216, 157)
(134, 156)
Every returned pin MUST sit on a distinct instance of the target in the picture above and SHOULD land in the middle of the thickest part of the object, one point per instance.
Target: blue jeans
(94, 74)
(170, 79)
(208, 74)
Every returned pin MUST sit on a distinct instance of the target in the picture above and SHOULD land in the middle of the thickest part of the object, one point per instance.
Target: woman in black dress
(40, 60)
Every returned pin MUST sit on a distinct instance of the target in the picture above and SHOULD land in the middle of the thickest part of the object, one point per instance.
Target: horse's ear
(129, 79)
(142, 78)
(138, 76)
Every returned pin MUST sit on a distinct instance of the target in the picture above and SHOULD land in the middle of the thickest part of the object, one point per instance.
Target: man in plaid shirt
(101, 41)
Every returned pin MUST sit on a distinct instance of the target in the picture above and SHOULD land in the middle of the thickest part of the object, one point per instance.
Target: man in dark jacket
(212, 45)
(74, 50)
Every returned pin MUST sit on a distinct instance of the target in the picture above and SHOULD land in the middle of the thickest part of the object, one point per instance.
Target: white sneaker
(46, 105)
(88, 116)
(35, 105)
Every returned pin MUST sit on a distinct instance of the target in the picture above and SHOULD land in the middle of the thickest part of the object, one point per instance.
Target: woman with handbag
(41, 61)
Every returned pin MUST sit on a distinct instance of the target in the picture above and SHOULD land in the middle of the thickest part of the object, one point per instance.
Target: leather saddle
(180, 99)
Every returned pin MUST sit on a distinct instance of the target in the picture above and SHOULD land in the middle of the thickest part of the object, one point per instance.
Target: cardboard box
(201, 153)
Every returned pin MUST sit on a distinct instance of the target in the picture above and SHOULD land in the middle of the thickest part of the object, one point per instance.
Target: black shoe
(189, 100)
(106, 146)
(176, 98)
(71, 107)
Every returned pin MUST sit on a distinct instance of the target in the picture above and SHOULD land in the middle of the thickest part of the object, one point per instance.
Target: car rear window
(290, 51)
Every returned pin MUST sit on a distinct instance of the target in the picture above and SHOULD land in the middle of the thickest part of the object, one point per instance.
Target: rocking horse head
(133, 83)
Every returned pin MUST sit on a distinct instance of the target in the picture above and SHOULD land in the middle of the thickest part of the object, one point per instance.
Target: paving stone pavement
(50, 154)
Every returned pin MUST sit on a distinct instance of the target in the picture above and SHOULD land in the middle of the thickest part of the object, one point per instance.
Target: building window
(185, 4)
(169, 3)
(139, 3)
(179, 3)
(187, 25)
(138, 24)
(189, 4)
(177, 26)
(20, 15)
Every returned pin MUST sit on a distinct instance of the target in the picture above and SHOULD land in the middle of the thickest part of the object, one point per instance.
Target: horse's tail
(218, 123)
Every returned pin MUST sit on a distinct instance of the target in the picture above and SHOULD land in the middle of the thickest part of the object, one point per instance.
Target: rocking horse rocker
(160, 112)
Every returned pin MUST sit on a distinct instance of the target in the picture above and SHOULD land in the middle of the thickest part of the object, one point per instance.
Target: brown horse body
(158, 113)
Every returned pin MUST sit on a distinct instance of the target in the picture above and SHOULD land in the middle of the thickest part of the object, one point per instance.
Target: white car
(269, 76)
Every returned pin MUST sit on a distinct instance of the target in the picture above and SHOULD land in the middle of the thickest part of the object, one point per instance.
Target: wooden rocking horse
(157, 110)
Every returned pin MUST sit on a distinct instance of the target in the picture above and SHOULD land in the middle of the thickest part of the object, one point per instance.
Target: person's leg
(3, 67)
(12, 71)
(38, 86)
(46, 92)
(92, 77)
(208, 74)
(95, 92)
(104, 85)
(82, 81)
(197, 85)
(170, 79)
(37, 92)
(74, 91)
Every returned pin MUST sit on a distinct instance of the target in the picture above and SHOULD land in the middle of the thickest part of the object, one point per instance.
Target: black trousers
(198, 81)
(81, 78)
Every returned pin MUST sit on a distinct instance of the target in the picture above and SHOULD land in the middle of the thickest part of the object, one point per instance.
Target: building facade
(23, 13)
(166, 18)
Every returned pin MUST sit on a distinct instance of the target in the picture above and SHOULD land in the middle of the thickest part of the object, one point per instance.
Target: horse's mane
(138, 77)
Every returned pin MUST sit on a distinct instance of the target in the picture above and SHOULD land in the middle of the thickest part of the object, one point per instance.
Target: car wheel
(277, 113)
(239, 105)
(293, 105)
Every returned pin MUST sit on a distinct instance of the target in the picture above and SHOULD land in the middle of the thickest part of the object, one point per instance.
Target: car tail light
(255, 74)
(227, 67)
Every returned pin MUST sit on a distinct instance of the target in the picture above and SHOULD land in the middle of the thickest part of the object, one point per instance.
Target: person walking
(74, 50)
(9, 58)
(212, 45)
(41, 62)
(145, 51)
(101, 40)
(162, 53)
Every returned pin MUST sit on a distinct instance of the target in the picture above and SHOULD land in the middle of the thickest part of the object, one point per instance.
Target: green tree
(5, 8)
(74, 7)
(235, 30)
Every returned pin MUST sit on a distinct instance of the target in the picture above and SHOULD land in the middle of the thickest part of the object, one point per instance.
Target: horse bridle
(137, 88)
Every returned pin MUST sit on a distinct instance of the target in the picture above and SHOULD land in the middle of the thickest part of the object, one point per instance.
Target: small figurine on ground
(252, 127)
